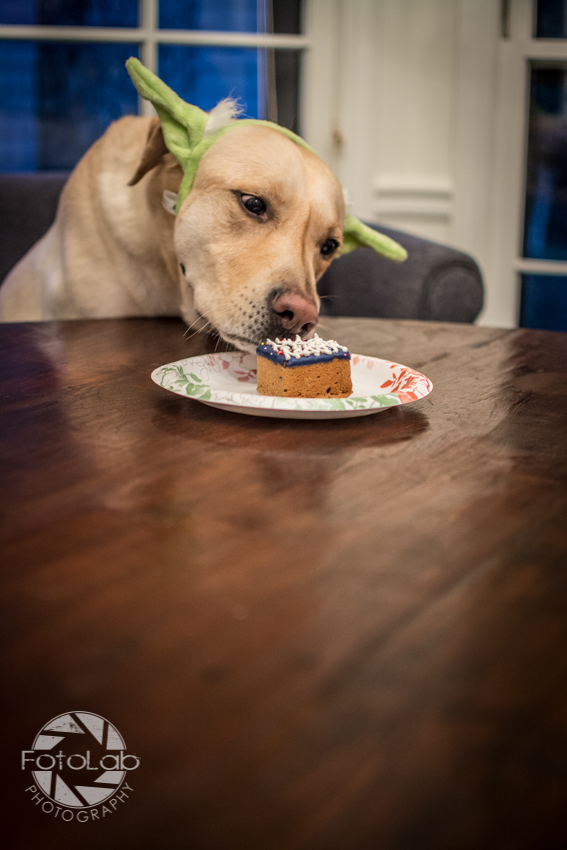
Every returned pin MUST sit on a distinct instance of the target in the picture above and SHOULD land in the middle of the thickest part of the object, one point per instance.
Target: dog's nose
(295, 312)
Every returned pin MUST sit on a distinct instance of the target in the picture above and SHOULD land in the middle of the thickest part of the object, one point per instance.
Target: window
(534, 96)
(62, 69)
(544, 296)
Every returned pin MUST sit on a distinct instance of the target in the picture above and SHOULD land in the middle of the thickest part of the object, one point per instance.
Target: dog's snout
(295, 312)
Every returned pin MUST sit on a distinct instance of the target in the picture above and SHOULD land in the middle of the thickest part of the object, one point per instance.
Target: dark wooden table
(315, 635)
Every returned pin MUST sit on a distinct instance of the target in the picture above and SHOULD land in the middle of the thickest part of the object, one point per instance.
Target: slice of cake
(304, 368)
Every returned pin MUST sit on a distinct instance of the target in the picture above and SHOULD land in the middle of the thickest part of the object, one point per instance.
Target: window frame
(518, 49)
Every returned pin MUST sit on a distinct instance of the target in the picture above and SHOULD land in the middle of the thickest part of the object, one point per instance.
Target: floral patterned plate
(228, 381)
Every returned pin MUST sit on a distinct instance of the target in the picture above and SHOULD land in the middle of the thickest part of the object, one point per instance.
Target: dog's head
(259, 217)
(261, 224)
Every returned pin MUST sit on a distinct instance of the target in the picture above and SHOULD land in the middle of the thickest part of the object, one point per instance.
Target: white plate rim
(193, 377)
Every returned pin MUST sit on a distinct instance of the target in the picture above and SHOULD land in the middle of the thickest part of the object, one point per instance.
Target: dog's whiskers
(198, 319)
(198, 331)
(229, 314)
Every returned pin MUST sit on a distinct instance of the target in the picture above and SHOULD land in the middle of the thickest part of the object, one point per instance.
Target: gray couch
(435, 283)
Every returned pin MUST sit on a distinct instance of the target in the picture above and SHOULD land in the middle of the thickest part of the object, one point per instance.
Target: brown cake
(304, 368)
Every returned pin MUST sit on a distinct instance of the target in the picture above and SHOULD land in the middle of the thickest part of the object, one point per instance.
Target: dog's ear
(154, 151)
(359, 235)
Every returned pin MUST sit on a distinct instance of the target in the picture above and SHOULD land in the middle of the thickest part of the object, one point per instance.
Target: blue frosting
(265, 350)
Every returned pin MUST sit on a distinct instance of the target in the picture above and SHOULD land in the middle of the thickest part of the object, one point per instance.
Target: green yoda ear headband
(189, 132)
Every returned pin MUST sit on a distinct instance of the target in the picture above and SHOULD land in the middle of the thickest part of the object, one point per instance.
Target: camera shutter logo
(78, 759)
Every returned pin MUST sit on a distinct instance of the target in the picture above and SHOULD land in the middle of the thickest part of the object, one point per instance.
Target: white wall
(401, 99)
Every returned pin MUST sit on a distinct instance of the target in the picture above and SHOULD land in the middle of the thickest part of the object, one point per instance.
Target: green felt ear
(358, 235)
(182, 123)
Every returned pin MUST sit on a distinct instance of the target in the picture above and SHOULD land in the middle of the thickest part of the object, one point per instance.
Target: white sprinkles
(298, 347)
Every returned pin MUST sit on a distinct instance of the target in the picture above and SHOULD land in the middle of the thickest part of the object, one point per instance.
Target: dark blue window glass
(544, 302)
(205, 75)
(551, 19)
(18, 105)
(86, 13)
(545, 230)
(57, 98)
(225, 15)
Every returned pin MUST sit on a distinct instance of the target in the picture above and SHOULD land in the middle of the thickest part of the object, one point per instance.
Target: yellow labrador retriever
(261, 222)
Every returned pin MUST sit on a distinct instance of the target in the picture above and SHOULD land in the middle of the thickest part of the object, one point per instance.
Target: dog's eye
(182, 267)
(254, 204)
(329, 246)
